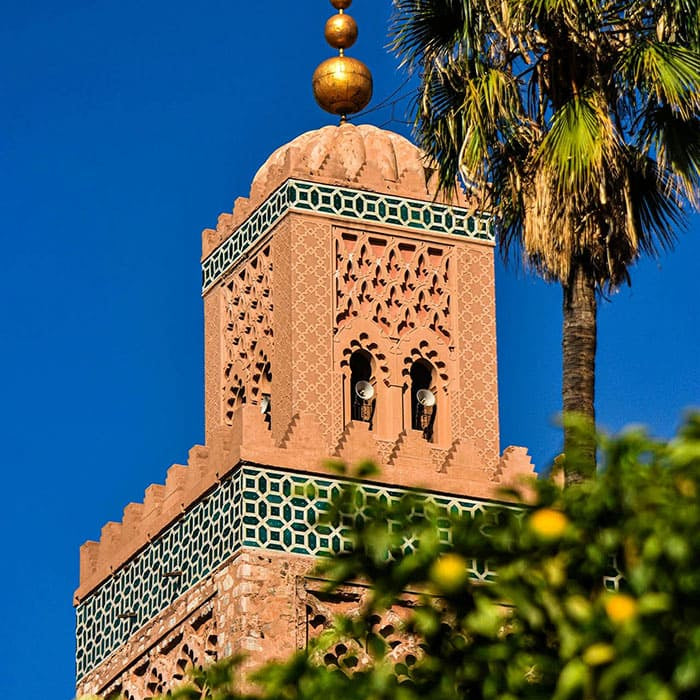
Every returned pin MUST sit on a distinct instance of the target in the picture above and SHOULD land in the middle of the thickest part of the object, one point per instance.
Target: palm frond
(425, 30)
(656, 204)
(668, 73)
(580, 143)
(678, 21)
(675, 142)
(577, 121)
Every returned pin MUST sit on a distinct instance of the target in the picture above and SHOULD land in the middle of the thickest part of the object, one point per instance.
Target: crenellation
(110, 539)
(515, 469)
(198, 461)
(175, 489)
(152, 508)
(210, 240)
(132, 521)
(225, 224)
(89, 553)
(409, 462)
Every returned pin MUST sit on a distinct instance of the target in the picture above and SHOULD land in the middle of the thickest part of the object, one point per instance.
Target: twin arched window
(362, 393)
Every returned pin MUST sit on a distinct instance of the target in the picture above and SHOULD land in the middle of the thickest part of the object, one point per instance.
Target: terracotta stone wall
(255, 606)
(213, 405)
(262, 605)
(312, 324)
(475, 410)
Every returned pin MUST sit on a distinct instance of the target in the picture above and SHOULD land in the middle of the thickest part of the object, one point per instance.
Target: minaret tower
(349, 314)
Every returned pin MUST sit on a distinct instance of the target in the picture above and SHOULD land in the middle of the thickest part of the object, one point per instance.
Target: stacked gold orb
(342, 85)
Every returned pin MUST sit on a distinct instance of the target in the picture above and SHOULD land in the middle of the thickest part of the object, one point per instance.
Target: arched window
(361, 387)
(265, 393)
(423, 406)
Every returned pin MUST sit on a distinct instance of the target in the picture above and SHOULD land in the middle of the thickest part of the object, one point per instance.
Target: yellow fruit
(598, 654)
(555, 571)
(548, 523)
(449, 573)
(578, 607)
(621, 608)
(686, 487)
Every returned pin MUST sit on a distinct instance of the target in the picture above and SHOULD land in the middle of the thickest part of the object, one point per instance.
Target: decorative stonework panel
(343, 202)
(400, 284)
(312, 318)
(475, 413)
(248, 335)
(192, 644)
(282, 357)
(352, 654)
(267, 509)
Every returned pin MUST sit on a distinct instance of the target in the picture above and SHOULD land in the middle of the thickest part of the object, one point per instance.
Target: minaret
(349, 314)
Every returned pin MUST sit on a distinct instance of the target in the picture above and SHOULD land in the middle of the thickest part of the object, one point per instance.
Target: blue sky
(125, 128)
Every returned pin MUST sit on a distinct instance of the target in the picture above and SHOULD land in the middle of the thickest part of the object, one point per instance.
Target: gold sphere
(341, 4)
(342, 85)
(341, 31)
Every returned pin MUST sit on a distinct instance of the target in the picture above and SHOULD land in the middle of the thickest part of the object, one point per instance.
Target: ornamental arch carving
(248, 333)
(424, 367)
(374, 353)
(400, 284)
(192, 644)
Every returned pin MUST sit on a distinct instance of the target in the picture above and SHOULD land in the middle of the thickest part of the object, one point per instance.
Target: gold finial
(342, 85)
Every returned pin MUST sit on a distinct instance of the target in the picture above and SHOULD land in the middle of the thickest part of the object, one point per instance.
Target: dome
(362, 157)
(359, 156)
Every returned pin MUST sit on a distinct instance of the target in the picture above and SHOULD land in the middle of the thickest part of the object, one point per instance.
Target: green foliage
(597, 593)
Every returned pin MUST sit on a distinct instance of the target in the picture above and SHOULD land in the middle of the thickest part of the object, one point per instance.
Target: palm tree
(577, 123)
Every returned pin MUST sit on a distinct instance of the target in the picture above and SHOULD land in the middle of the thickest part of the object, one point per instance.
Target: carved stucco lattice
(400, 284)
(248, 335)
(192, 644)
(352, 653)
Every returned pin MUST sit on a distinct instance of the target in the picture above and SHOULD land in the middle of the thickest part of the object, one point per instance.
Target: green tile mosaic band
(253, 507)
(343, 202)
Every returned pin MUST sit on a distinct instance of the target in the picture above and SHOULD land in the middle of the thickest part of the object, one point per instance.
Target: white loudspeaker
(364, 390)
(265, 404)
(425, 397)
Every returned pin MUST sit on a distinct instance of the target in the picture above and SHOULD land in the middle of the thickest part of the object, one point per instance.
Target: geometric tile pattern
(190, 549)
(253, 507)
(343, 202)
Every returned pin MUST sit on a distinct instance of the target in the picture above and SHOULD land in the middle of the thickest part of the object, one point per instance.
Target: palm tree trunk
(578, 376)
